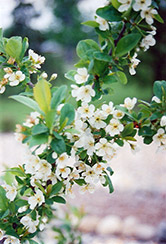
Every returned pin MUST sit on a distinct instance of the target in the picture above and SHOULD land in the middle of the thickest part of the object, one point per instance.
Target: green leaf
(91, 23)
(121, 77)
(148, 140)
(58, 145)
(6, 213)
(13, 47)
(58, 96)
(127, 130)
(158, 18)
(109, 183)
(19, 180)
(16, 171)
(28, 102)
(39, 129)
(102, 56)
(86, 48)
(109, 79)
(38, 140)
(21, 203)
(80, 182)
(56, 188)
(110, 171)
(3, 199)
(115, 3)
(32, 242)
(158, 88)
(126, 44)
(42, 94)
(25, 46)
(50, 118)
(59, 199)
(67, 112)
(70, 75)
(109, 13)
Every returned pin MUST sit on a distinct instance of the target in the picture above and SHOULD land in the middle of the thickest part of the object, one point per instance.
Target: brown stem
(119, 37)
(30, 84)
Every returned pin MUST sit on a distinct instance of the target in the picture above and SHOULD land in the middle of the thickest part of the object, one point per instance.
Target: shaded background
(137, 208)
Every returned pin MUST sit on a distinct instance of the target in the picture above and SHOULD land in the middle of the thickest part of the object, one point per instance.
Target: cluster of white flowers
(8, 239)
(160, 137)
(36, 60)
(29, 223)
(12, 78)
(33, 119)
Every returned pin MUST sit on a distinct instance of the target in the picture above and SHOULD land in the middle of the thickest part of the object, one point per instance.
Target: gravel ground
(133, 211)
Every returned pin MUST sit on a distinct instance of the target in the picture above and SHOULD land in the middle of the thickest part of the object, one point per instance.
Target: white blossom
(36, 59)
(97, 120)
(86, 111)
(89, 145)
(118, 114)
(11, 240)
(63, 172)
(125, 5)
(156, 99)
(129, 103)
(134, 63)
(108, 109)
(11, 191)
(37, 199)
(29, 224)
(114, 127)
(2, 89)
(31, 163)
(33, 119)
(163, 121)
(147, 41)
(103, 24)
(103, 147)
(141, 4)
(148, 15)
(64, 160)
(90, 176)
(16, 78)
(81, 76)
(87, 188)
(22, 209)
(1, 234)
(160, 137)
(43, 170)
(83, 93)
(134, 147)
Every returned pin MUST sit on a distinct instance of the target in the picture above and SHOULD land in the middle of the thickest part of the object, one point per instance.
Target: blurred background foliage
(57, 43)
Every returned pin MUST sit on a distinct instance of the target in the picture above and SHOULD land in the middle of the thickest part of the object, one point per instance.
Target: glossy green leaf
(67, 112)
(58, 96)
(126, 44)
(42, 94)
(102, 56)
(158, 18)
(3, 199)
(86, 48)
(13, 47)
(121, 77)
(56, 188)
(29, 102)
(59, 199)
(25, 46)
(58, 145)
(38, 140)
(70, 75)
(109, 13)
(91, 23)
(16, 171)
(39, 129)
(128, 129)
(158, 88)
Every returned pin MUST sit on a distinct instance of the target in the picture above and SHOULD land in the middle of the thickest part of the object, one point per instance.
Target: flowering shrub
(75, 145)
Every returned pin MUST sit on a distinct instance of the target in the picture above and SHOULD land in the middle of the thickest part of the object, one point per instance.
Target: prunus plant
(70, 144)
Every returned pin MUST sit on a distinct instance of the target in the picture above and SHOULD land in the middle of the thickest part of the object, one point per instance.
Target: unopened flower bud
(53, 76)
